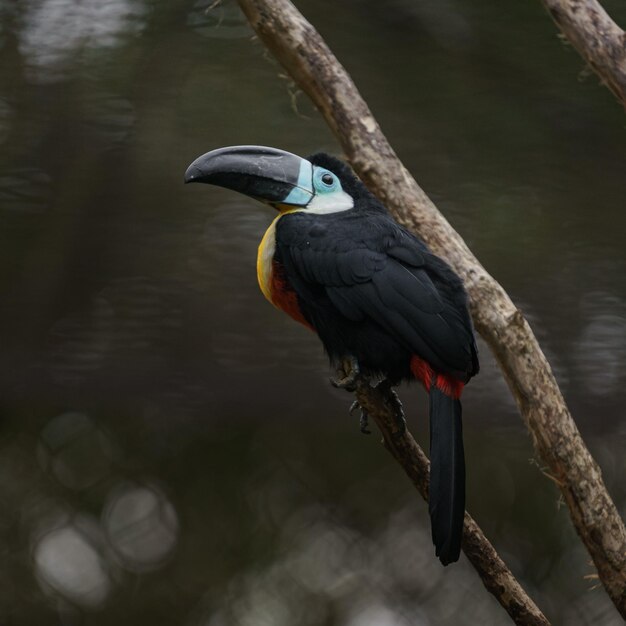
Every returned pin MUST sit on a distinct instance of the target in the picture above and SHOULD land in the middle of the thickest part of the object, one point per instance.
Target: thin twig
(598, 39)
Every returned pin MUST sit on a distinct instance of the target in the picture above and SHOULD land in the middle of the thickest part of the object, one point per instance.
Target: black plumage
(447, 474)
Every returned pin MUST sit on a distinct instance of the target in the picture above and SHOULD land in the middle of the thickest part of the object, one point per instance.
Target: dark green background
(170, 449)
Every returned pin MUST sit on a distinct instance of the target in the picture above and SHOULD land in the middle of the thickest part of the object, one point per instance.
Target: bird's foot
(386, 387)
(363, 420)
(348, 372)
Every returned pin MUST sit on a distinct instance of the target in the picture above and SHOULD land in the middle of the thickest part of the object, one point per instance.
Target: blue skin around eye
(309, 183)
(321, 187)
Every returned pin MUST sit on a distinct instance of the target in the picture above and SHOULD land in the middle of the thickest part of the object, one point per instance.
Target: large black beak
(267, 174)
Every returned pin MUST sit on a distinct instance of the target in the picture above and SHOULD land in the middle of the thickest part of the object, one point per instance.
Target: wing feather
(388, 276)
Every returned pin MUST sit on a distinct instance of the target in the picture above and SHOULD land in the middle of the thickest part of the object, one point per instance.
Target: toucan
(336, 261)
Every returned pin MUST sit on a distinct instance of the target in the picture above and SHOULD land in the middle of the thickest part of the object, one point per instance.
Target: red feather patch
(424, 373)
(284, 297)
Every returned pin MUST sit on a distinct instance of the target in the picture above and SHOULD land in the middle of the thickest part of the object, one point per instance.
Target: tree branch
(301, 50)
(598, 39)
(383, 406)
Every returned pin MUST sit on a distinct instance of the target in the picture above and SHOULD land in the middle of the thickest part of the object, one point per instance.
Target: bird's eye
(327, 179)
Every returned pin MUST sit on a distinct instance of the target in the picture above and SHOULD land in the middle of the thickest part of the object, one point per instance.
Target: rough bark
(301, 50)
(598, 39)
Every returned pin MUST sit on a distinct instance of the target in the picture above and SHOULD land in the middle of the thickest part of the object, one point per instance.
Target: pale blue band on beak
(303, 193)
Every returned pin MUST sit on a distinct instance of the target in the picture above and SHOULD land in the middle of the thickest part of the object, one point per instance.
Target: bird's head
(319, 184)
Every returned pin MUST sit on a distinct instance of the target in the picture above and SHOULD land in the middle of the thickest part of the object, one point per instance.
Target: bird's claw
(364, 423)
(349, 373)
(398, 414)
(386, 387)
(363, 419)
(347, 383)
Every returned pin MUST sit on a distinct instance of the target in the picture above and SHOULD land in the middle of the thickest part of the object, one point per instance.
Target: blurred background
(170, 449)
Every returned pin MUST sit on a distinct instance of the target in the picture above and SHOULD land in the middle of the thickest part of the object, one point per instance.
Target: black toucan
(336, 261)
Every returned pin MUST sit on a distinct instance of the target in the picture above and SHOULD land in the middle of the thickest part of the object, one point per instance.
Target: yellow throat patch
(265, 256)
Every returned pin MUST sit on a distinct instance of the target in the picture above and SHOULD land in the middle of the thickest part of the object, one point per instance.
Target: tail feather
(447, 475)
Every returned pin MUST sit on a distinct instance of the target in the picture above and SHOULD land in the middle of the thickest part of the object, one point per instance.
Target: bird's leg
(363, 420)
(348, 372)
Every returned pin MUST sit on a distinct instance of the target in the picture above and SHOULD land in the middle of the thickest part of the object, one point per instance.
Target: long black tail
(447, 475)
